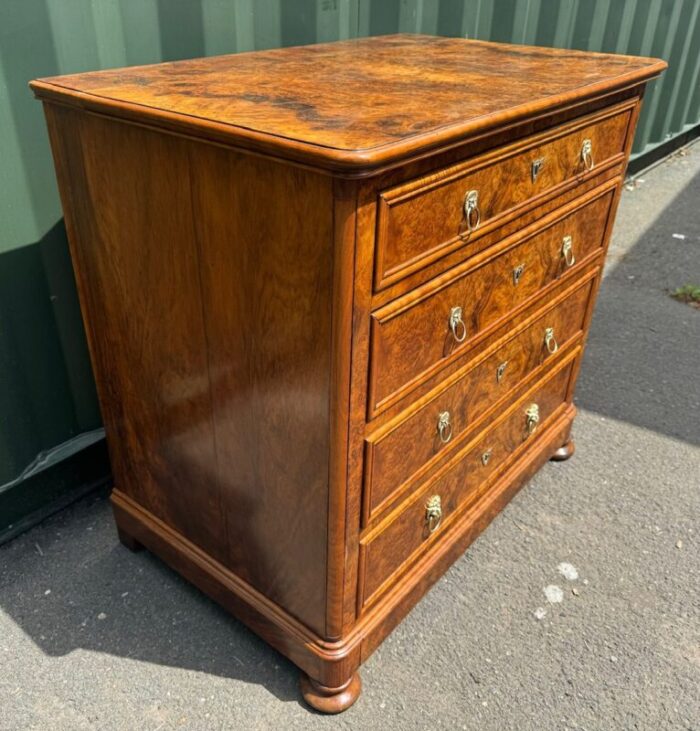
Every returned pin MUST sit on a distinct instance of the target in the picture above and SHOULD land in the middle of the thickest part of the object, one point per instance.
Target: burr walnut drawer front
(425, 219)
(429, 515)
(440, 425)
(421, 332)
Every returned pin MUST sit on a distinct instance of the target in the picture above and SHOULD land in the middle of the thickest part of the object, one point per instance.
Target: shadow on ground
(642, 362)
(80, 588)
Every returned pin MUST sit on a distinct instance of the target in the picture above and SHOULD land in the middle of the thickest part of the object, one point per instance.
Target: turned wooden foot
(330, 700)
(564, 452)
(129, 541)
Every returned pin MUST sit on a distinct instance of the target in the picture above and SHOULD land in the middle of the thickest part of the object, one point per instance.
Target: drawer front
(416, 335)
(423, 521)
(438, 426)
(423, 220)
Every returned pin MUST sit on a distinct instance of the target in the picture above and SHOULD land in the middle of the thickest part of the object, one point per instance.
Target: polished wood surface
(388, 546)
(357, 102)
(137, 275)
(268, 333)
(534, 211)
(191, 307)
(266, 259)
(477, 389)
(424, 219)
(330, 700)
(393, 606)
(411, 336)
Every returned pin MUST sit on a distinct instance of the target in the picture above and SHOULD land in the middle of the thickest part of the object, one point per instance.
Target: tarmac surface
(578, 608)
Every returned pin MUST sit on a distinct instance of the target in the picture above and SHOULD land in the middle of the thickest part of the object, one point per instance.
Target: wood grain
(268, 339)
(476, 390)
(329, 663)
(425, 219)
(355, 103)
(411, 337)
(383, 616)
(534, 210)
(192, 309)
(395, 542)
(132, 243)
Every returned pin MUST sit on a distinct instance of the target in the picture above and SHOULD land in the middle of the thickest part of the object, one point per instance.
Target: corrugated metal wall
(46, 390)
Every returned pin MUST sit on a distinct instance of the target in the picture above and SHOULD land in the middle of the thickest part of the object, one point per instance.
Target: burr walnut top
(352, 104)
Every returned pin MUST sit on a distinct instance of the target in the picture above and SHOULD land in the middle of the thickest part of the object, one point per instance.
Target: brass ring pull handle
(471, 210)
(457, 326)
(550, 341)
(518, 273)
(567, 251)
(532, 418)
(433, 513)
(486, 457)
(444, 427)
(587, 154)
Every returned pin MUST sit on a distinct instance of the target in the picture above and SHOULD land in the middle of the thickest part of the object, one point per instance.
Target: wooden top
(352, 104)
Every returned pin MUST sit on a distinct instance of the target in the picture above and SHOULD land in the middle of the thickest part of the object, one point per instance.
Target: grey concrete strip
(94, 637)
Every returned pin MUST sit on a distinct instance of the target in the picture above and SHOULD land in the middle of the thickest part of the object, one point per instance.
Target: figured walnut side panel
(205, 280)
(126, 196)
(265, 233)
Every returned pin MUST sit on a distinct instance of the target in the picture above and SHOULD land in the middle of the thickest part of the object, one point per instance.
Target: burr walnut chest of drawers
(336, 298)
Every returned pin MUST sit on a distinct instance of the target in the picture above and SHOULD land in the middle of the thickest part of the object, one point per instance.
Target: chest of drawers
(336, 298)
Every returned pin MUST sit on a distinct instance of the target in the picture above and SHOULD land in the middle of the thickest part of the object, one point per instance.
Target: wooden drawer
(466, 398)
(425, 219)
(412, 338)
(387, 548)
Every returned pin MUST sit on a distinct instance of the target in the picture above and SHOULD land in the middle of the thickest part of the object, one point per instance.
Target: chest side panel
(126, 196)
(264, 235)
(205, 280)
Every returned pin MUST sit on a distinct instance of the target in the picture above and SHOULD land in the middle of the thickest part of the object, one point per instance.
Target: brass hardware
(550, 341)
(486, 456)
(459, 329)
(587, 154)
(536, 167)
(518, 273)
(501, 370)
(471, 208)
(444, 427)
(433, 513)
(567, 251)
(532, 418)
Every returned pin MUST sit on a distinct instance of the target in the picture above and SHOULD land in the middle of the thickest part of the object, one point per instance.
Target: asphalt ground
(578, 608)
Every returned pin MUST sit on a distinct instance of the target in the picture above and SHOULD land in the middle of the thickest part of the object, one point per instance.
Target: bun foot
(330, 700)
(129, 541)
(564, 452)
